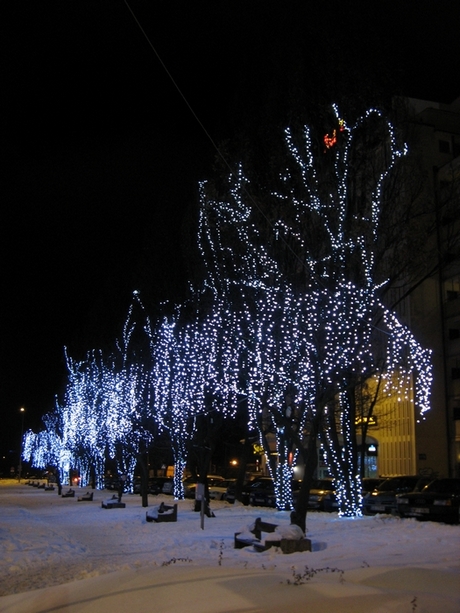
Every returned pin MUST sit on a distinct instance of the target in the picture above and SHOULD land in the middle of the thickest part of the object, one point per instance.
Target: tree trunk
(144, 479)
(310, 457)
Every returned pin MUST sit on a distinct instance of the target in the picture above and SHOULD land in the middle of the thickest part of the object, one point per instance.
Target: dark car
(111, 482)
(438, 501)
(160, 485)
(383, 498)
(330, 502)
(156, 485)
(137, 485)
(114, 482)
(369, 484)
(322, 495)
(262, 493)
(248, 487)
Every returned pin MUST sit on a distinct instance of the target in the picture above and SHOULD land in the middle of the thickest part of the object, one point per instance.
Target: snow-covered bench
(86, 497)
(161, 513)
(113, 503)
(69, 494)
(288, 538)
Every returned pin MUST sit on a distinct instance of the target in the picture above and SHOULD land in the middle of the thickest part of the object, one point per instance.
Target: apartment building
(406, 444)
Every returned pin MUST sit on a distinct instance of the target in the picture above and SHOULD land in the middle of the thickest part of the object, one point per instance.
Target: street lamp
(22, 411)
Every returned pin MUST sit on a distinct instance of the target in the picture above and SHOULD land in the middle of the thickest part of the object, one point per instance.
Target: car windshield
(443, 486)
(403, 484)
(215, 481)
(370, 484)
(225, 483)
(260, 483)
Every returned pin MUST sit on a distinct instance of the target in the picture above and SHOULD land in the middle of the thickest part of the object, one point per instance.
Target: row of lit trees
(287, 316)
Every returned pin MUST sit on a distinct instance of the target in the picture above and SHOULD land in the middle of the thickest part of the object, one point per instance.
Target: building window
(452, 288)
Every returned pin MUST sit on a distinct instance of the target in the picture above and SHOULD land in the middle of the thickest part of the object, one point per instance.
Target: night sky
(105, 135)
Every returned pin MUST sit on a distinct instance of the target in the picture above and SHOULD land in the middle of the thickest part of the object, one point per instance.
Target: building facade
(407, 444)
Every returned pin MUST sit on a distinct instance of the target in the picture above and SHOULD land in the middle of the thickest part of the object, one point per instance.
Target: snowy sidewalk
(176, 589)
(63, 555)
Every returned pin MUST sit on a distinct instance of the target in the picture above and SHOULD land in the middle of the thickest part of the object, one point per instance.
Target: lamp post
(22, 411)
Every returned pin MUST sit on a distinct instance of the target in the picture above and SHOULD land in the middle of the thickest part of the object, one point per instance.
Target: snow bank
(85, 550)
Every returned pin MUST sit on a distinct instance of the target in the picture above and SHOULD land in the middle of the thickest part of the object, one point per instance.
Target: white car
(218, 491)
(213, 482)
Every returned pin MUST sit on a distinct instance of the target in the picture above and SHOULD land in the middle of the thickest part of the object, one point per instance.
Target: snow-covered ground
(58, 554)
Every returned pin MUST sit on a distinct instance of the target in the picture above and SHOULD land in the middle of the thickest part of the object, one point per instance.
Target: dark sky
(102, 154)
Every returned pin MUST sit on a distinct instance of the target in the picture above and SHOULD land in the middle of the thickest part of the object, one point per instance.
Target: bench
(86, 497)
(69, 494)
(243, 540)
(162, 513)
(49, 488)
(287, 545)
(113, 503)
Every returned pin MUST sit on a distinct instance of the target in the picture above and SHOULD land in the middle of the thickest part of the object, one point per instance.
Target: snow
(59, 554)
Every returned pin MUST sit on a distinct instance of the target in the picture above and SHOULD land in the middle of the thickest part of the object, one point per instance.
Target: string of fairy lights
(250, 332)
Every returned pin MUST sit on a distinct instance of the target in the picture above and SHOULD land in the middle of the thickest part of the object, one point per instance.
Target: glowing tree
(189, 374)
(358, 336)
(46, 449)
(83, 417)
(264, 323)
(277, 370)
(105, 408)
(318, 235)
(125, 391)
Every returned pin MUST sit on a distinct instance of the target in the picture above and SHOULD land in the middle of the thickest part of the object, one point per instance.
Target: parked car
(218, 491)
(369, 484)
(324, 498)
(383, 498)
(155, 485)
(137, 485)
(231, 492)
(262, 493)
(160, 485)
(113, 482)
(167, 485)
(190, 484)
(322, 495)
(248, 487)
(438, 501)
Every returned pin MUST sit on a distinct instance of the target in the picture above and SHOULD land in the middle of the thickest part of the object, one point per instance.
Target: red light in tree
(330, 141)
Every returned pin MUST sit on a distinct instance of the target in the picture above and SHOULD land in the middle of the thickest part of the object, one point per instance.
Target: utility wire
(232, 171)
(178, 88)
